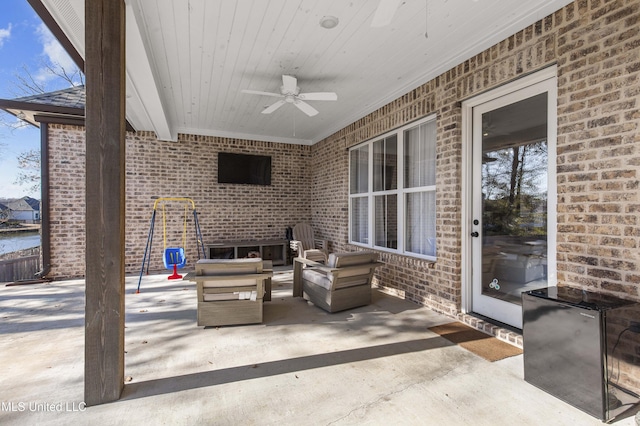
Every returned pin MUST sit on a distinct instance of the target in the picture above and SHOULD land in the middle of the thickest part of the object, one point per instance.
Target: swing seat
(174, 258)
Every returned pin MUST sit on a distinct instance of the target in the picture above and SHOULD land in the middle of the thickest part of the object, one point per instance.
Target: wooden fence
(20, 268)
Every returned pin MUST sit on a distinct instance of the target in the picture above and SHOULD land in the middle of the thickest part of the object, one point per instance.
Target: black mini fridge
(583, 348)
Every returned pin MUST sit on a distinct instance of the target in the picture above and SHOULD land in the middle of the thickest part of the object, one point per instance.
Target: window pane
(421, 223)
(386, 221)
(359, 220)
(359, 170)
(385, 164)
(420, 155)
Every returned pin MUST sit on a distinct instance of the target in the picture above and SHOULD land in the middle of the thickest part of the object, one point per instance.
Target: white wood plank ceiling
(188, 60)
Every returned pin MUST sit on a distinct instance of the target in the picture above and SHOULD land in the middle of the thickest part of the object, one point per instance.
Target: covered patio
(377, 364)
(141, 137)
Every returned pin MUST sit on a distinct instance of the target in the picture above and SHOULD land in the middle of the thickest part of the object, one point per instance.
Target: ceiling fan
(290, 92)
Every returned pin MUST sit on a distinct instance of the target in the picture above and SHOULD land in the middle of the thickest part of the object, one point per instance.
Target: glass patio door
(512, 233)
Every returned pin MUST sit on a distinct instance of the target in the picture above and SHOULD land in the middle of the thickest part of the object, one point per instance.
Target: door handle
(475, 234)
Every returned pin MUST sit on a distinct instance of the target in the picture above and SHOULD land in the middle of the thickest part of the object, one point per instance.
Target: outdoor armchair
(230, 291)
(306, 245)
(343, 283)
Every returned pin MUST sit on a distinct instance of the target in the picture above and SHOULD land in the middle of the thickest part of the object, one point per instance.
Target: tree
(8, 121)
(29, 164)
(26, 84)
(514, 191)
(4, 217)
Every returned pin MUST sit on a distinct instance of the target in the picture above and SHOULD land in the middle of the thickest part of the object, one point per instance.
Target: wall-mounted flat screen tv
(244, 169)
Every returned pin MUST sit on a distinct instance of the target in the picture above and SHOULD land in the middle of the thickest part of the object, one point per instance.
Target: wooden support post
(105, 198)
(297, 277)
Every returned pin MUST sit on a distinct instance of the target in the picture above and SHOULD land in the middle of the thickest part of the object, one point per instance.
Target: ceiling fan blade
(318, 96)
(273, 107)
(258, 92)
(289, 84)
(385, 12)
(306, 108)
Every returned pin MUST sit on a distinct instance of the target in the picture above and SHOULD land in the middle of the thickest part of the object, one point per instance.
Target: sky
(24, 42)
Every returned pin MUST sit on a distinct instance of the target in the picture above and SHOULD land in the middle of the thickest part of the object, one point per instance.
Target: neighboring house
(24, 210)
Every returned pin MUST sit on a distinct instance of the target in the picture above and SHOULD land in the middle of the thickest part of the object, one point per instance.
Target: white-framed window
(392, 191)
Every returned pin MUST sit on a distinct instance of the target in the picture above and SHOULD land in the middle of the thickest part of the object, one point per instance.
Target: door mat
(481, 344)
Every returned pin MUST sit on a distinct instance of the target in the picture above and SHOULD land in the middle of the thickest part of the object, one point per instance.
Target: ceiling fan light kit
(290, 94)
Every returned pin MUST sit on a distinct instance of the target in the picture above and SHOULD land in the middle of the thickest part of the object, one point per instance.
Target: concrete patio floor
(375, 365)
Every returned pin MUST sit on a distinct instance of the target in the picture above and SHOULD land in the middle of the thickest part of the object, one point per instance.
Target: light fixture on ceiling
(21, 115)
(329, 22)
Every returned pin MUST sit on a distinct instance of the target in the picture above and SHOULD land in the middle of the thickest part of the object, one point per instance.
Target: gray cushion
(228, 266)
(316, 277)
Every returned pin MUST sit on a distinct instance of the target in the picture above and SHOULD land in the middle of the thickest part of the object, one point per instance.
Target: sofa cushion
(340, 260)
(228, 266)
(318, 278)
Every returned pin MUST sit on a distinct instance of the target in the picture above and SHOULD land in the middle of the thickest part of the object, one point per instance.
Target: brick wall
(67, 200)
(187, 168)
(599, 146)
(596, 46)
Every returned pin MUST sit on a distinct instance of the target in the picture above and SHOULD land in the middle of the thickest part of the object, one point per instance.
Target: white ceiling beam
(143, 94)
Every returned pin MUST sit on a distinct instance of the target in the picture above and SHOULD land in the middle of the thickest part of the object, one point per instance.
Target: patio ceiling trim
(46, 113)
(247, 136)
(56, 119)
(29, 110)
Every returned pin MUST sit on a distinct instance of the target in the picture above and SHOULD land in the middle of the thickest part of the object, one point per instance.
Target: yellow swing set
(174, 258)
